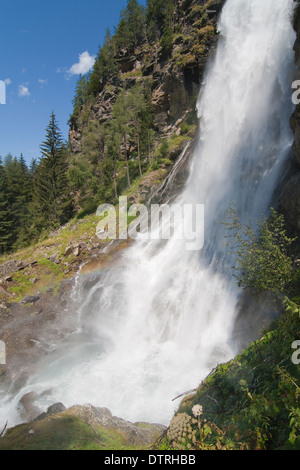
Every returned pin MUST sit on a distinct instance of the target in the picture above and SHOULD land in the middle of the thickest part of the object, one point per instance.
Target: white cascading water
(153, 326)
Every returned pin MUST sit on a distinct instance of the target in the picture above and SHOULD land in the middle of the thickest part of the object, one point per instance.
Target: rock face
(80, 428)
(290, 195)
(175, 78)
(135, 434)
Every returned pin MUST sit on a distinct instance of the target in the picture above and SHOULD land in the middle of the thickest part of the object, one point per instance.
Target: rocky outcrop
(82, 427)
(174, 78)
(140, 433)
(289, 200)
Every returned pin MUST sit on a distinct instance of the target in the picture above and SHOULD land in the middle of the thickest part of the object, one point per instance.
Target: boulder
(80, 427)
(136, 434)
(31, 299)
(52, 410)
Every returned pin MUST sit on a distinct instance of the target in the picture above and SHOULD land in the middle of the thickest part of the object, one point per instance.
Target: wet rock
(27, 408)
(31, 299)
(139, 433)
(52, 410)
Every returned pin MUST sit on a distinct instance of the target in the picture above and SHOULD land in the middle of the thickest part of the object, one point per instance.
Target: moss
(176, 141)
(63, 432)
(132, 74)
(206, 32)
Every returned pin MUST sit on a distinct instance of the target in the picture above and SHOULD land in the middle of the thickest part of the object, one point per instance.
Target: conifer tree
(5, 216)
(18, 195)
(80, 94)
(137, 104)
(159, 15)
(51, 195)
(122, 115)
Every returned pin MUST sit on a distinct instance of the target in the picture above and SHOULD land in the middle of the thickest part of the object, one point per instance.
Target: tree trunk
(139, 154)
(127, 166)
(115, 185)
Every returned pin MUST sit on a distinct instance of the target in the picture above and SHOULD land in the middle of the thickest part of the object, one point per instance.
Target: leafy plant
(262, 255)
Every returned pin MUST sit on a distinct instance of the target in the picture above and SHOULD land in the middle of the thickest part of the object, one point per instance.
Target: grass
(63, 432)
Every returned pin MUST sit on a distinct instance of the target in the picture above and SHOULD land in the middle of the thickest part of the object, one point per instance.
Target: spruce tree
(122, 116)
(18, 195)
(159, 14)
(5, 216)
(51, 195)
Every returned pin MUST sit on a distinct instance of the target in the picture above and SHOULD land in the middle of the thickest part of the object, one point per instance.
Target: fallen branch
(1, 433)
(185, 393)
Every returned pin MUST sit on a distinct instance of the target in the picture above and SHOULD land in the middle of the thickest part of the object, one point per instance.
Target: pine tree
(131, 29)
(123, 115)
(159, 15)
(51, 194)
(106, 67)
(110, 163)
(18, 195)
(5, 216)
(80, 94)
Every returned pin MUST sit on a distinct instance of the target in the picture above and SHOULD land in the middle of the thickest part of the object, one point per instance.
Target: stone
(134, 433)
(31, 299)
(52, 410)
(76, 252)
(68, 250)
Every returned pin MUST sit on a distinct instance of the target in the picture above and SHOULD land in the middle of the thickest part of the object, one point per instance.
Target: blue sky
(44, 46)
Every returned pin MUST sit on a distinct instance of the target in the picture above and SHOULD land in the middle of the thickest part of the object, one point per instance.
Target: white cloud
(43, 82)
(84, 65)
(7, 81)
(23, 91)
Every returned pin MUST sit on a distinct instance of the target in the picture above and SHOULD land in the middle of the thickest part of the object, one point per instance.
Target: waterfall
(154, 325)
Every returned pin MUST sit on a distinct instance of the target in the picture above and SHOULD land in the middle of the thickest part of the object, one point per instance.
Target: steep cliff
(290, 195)
(170, 76)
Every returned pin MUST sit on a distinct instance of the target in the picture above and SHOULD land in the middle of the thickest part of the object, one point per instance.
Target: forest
(55, 186)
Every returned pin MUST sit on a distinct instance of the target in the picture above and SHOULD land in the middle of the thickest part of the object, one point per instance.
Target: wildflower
(197, 410)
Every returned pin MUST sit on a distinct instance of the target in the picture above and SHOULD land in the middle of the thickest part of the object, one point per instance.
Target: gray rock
(52, 410)
(31, 299)
(135, 433)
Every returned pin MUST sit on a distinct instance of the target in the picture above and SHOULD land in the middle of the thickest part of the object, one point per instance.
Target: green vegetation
(117, 145)
(34, 199)
(263, 254)
(64, 432)
(51, 201)
(250, 403)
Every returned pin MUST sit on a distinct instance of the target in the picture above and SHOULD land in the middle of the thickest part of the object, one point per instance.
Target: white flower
(197, 410)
